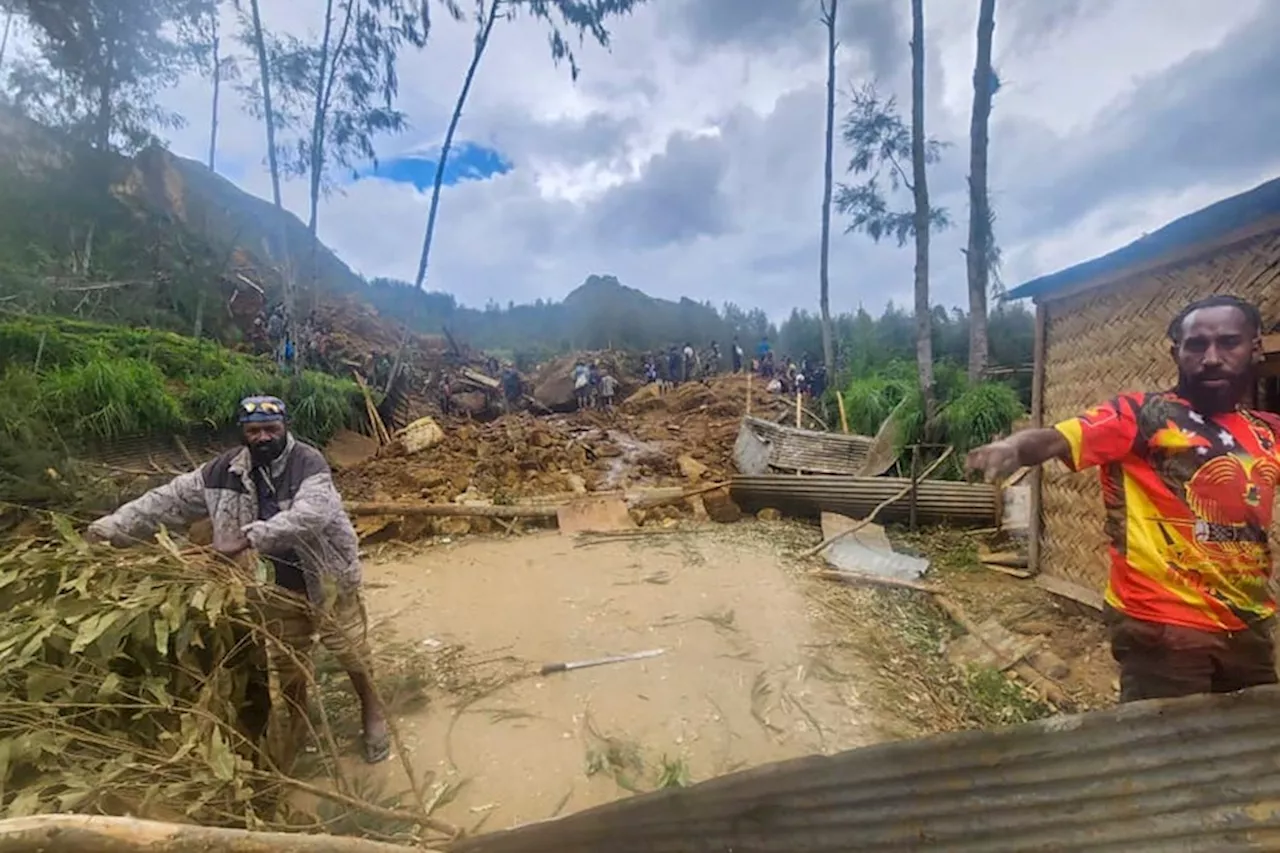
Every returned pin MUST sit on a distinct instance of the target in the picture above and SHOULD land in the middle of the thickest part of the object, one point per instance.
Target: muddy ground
(762, 662)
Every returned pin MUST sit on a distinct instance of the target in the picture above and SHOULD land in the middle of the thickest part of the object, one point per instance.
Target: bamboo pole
(844, 418)
(74, 833)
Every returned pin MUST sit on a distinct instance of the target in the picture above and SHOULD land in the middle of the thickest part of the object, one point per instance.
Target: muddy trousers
(1160, 661)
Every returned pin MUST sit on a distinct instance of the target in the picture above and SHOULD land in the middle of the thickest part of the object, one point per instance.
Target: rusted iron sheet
(937, 501)
(1195, 774)
(763, 447)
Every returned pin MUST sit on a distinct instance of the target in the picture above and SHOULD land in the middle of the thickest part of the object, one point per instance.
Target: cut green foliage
(135, 683)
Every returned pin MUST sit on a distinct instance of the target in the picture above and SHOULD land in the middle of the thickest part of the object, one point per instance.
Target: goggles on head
(256, 409)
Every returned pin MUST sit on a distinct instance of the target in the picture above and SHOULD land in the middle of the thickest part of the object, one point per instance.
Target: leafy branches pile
(137, 685)
(122, 682)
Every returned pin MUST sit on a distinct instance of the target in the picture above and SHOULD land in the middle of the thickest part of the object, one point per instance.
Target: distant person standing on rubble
(737, 355)
(581, 386)
(673, 365)
(686, 372)
(1189, 484)
(275, 495)
(511, 388)
(608, 389)
(714, 366)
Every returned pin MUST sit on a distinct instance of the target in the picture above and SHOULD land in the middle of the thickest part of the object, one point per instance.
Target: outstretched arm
(1104, 434)
(1028, 448)
(178, 502)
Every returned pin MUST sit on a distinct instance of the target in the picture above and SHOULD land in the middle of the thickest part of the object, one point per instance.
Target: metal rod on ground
(569, 666)
(897, 496)
(844, 418)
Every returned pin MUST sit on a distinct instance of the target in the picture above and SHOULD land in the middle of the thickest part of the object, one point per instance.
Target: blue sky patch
(467, 161)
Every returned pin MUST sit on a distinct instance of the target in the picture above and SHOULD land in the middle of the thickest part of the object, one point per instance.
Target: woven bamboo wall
(1112, 339)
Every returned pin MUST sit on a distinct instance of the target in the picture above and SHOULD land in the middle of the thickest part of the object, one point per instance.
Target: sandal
(376, 749)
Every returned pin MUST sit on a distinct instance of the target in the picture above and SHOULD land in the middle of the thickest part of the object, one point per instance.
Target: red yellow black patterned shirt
(1189, 504)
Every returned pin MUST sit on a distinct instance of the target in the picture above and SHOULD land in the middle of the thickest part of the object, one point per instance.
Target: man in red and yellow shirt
(1188, 480)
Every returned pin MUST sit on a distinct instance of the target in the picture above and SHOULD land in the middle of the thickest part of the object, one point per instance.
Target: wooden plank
(1037, 421)
(1072, 591)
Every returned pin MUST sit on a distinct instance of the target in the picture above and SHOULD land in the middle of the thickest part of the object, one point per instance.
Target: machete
(566, 666)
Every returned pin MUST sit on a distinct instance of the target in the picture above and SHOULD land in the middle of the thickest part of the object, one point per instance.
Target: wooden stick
(74, 833)
(643, 502)
(383, 812)
(749, 375)
(876, 580)
(450, 510)
(1020, 574)
(844, 419)
(191, 460)
(798, 409)
(896, 496)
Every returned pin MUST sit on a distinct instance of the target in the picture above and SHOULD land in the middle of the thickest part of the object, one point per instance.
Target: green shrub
(73, 383)
(969, 415)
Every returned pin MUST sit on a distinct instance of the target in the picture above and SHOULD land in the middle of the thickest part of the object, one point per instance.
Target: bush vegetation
(970, 414)
(70, 384)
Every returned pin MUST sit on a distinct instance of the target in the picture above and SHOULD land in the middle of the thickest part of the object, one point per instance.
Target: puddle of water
(738, 685)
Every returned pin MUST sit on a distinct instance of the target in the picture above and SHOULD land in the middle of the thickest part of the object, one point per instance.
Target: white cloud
(688, 160)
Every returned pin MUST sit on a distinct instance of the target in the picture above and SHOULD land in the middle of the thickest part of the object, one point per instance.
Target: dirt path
(747, 678)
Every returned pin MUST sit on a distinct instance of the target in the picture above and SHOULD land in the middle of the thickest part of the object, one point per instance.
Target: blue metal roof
(1204, 226)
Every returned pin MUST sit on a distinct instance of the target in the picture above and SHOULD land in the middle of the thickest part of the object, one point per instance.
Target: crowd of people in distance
(782, 375)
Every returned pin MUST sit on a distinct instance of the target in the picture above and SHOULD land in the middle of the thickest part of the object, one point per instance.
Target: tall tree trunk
(318, 121)
(920, 185)
(217, 91)
(978, 254)
(824, 265)
(317, 124)
(264, 72)
(482, 40)
(4, 40)
(330, 63)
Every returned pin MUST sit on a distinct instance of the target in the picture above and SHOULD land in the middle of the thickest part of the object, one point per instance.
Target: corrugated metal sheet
(1195, 774)
(790, 449)
(937, 501)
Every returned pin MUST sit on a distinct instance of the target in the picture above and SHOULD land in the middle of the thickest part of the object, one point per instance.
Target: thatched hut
(1100, 330)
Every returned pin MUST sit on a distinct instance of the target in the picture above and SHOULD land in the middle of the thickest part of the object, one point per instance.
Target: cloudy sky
(687, 160)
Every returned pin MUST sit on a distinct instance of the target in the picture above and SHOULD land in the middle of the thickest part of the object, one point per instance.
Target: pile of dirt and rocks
(516, 456)
(699, 419)
(681, 436)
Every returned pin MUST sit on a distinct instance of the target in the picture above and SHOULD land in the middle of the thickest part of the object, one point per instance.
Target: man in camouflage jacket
(275, 495)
